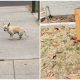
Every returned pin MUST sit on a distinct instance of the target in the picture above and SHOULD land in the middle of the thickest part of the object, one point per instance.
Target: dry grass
(60, 56)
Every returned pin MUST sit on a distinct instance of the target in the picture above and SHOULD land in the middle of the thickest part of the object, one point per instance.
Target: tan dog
(14, 30)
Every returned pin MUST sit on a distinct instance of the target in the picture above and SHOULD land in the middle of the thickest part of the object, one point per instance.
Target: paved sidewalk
(21, 57)
(19, 69)
(19, 49)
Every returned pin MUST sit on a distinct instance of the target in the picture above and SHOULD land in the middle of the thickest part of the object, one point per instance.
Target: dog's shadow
(16, 39)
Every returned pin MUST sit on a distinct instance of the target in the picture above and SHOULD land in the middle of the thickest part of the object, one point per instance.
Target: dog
(14, 30)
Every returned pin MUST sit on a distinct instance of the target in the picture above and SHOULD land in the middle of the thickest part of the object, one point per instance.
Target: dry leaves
(60, 57)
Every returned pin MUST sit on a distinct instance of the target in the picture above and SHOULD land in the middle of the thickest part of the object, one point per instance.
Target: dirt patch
(60, 56)
(61, 18)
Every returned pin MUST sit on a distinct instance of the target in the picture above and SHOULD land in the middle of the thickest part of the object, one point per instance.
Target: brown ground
(60, 56)
(63, 18)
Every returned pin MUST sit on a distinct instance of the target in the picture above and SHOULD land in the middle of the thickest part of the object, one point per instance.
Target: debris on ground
(60, 56)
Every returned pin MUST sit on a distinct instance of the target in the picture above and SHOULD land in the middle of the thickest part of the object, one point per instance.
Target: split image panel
(60, 39)
(19, 40)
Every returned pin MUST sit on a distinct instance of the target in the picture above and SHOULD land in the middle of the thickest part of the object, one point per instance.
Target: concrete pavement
(19, 49)
(19, 69)
(21, 57)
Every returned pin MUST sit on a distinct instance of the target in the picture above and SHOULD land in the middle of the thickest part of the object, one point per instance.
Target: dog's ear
(8, 24)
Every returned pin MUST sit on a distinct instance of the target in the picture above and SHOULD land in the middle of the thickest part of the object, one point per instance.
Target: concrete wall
(61, 7)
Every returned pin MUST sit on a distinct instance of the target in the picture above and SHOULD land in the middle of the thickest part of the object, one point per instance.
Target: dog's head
(6, 27)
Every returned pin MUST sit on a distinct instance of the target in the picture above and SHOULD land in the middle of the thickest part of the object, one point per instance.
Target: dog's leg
(26, 36)
(20, 35)
(11, 36)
